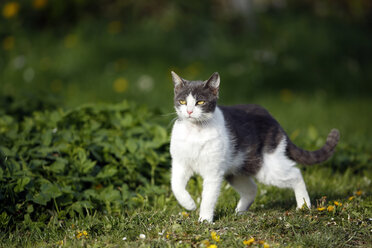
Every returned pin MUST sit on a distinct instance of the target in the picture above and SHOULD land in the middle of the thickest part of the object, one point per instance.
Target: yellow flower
(114, 27)
(39, 4)
(59, 243)
(70, 40)
(321, 209)
(351, 198)
(286, 95)
(185, 214)
(266, 245)
(215, 237)
(359, 192)
(167, 236)
(338, 203)
(120, 85)
(8, 43)
(206, 243)
(10, 9)
(212, 246)
(330, 208)
(56, 85)
(249, 241)
(83, 234)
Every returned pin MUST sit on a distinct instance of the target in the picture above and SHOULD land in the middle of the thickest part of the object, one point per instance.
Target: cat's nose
(189, 112)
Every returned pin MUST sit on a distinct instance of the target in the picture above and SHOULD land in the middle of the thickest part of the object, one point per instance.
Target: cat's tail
(314, 157)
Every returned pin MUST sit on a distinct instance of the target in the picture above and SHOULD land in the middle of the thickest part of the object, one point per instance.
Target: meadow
(86, 113)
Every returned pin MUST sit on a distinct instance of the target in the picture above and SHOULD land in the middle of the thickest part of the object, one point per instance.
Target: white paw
(239, 211)
(189, 205)
(207, 219)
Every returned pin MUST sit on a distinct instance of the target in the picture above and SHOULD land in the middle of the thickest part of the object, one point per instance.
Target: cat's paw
(239, 211)
(190, 206)
(208, 219)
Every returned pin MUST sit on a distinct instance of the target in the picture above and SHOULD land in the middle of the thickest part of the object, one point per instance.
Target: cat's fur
(236, 143)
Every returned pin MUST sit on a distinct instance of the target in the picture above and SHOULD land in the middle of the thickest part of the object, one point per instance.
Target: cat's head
(195, 101)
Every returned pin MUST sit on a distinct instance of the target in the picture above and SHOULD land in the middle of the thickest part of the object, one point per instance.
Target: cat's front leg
(180, 177)
(211, 191)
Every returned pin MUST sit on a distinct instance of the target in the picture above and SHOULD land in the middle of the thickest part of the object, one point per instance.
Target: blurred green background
(308, 62)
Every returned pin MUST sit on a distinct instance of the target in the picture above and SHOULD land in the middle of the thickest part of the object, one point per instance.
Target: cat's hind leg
(278, 170)
(246, 188)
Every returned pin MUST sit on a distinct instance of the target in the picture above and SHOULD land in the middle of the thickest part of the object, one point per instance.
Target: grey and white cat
(236, 143)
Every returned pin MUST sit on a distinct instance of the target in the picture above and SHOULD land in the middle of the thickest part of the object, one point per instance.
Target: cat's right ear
(177, 80)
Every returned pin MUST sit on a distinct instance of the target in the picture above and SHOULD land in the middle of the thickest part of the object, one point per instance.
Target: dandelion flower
(337, 203)
(8, 43)
(185, 214)
(330, 208)
(39, 4)
(286, 95)
(359, 192)
(114, 27)
(206, 243)
(249, 241)
(215, 237)
(120, 85)
(266, 245)
(212, 246)
(351, 198)
(83, 234)
(59, 243)
(321, 209)
(10, 9)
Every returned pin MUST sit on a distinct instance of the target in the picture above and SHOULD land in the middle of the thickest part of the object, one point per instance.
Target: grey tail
(314, 157)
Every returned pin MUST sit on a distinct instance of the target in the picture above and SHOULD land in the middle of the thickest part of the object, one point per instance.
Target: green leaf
(57, 167)
(131, 145)
(21, 184)
(46, 138)
(109, 194)
(107, 171)
(51, 190)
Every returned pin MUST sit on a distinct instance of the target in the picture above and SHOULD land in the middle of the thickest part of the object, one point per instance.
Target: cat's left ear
(213, 83)
(177, 80)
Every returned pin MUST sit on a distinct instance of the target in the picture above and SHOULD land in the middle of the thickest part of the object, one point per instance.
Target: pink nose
(189, 112)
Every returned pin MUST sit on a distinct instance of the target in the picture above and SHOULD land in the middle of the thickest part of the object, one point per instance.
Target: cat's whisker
(169, 114)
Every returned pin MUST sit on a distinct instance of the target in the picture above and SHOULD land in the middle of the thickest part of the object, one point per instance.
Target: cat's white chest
(201, 148)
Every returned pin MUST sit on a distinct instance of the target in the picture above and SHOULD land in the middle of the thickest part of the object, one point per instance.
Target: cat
(236, 143)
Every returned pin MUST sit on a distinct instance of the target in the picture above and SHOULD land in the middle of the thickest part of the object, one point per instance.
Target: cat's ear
(177, 80)
(213, 83)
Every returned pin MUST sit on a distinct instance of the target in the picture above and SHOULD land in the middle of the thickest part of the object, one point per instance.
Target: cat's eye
(200, 102)
(182, 102)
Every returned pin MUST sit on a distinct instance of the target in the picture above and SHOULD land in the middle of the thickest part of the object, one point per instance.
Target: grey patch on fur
(254, 131)
(314, 157)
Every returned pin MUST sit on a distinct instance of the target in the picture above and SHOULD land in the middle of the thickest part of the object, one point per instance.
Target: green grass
(272, 219)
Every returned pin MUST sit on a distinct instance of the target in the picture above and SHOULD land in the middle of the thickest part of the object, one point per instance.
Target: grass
(272, 219)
